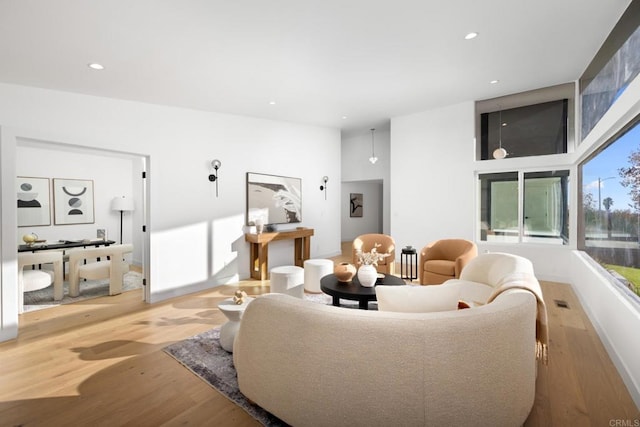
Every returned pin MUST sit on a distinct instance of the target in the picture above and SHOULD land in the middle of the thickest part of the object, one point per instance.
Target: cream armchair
(33, 280)
(366, 242)
(113, 267)
(444, 259)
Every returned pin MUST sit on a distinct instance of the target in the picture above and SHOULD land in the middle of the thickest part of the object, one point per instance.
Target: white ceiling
(319, 60)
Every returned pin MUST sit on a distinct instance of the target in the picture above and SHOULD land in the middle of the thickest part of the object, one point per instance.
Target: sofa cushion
(441, 266)
(417, 299)
(94, 270)
(34, 280)
(473, 293)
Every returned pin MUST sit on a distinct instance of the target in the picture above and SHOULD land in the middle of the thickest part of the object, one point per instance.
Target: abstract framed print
(273, 199)
(355, 205)
(34, 206)
(73, 201)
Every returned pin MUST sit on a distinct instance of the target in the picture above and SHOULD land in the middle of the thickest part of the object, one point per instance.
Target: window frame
(480, 233)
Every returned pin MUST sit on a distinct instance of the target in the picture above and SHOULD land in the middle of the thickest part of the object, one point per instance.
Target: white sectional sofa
(316, 365)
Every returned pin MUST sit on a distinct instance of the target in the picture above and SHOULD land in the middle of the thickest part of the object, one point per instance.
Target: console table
(259, 249)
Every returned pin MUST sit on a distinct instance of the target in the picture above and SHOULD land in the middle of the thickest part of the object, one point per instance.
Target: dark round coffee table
(354, 290)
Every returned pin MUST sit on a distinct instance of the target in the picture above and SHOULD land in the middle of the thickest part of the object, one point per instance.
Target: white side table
(287, 279)
(233, 312)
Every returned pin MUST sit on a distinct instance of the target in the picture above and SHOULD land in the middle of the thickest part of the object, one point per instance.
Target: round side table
(233, 312)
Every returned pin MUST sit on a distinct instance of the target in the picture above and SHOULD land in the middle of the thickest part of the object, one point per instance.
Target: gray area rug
(203, 356)
(43, 298)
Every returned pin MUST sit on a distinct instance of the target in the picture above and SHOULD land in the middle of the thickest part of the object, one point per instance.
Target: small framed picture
(34, 207)
(355, 205)
(73, 201)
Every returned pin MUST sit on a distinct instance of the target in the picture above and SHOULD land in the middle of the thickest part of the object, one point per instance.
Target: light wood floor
(100, 362)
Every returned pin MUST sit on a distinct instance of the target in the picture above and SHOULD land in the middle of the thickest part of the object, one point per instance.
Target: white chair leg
(115, 279)
(74, 285)
(58, 279)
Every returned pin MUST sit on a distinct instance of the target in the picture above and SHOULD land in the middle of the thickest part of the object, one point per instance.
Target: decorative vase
(344, 272)
(30, 239)
(259, 225)
(367, 275)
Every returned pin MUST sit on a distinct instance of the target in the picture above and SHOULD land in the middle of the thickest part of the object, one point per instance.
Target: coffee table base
(362, 304)
(353, 291)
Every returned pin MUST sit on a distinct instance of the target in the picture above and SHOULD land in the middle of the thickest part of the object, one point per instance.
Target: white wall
(112, 177)
(432, 191)
(8, 253)
(614, 317)
(371, 220)
(196, 239)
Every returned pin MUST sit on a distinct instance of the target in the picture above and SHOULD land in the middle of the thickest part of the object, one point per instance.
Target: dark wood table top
(353, 290)
(65, 244)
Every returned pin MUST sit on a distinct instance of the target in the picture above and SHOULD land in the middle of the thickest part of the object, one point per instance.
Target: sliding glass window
(540, 215)
(546, 207)
(499, 207)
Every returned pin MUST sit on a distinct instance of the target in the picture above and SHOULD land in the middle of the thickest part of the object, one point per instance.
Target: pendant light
(373, 159)
(499, 153)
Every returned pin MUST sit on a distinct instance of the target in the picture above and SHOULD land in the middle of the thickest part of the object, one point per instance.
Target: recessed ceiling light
(344, 117)
(494, 81)
(272, 102)
(96, 66)
(470, 36)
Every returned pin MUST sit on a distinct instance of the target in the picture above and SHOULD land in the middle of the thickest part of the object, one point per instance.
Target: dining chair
(101, 263)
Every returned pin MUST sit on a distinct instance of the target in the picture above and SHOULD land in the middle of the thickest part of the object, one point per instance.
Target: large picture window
(610, 217)
(524, 207)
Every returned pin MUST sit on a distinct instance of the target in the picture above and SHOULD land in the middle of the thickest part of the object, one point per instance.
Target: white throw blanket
(525, 282)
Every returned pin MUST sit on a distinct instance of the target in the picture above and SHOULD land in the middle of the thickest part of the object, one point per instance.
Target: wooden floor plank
(561, 373)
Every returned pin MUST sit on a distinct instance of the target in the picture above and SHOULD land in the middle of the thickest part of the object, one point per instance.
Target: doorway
(112, 174)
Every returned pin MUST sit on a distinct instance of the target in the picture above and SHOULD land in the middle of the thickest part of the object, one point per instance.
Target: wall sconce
(214, 176)
(324, 186)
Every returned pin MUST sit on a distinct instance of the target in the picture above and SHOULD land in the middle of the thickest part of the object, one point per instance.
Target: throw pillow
(416, 298)
(473, 293)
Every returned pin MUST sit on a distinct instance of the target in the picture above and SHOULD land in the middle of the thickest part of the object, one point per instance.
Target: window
(600, 86)
(532, 130)
(533, 123)
(499, 207)
(610, 217)
(546, 202)
(544, 206)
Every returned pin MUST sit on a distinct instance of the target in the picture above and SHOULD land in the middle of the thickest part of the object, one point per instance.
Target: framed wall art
(73, 201)
(355, 205)
(273, 199)
(34, 207)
